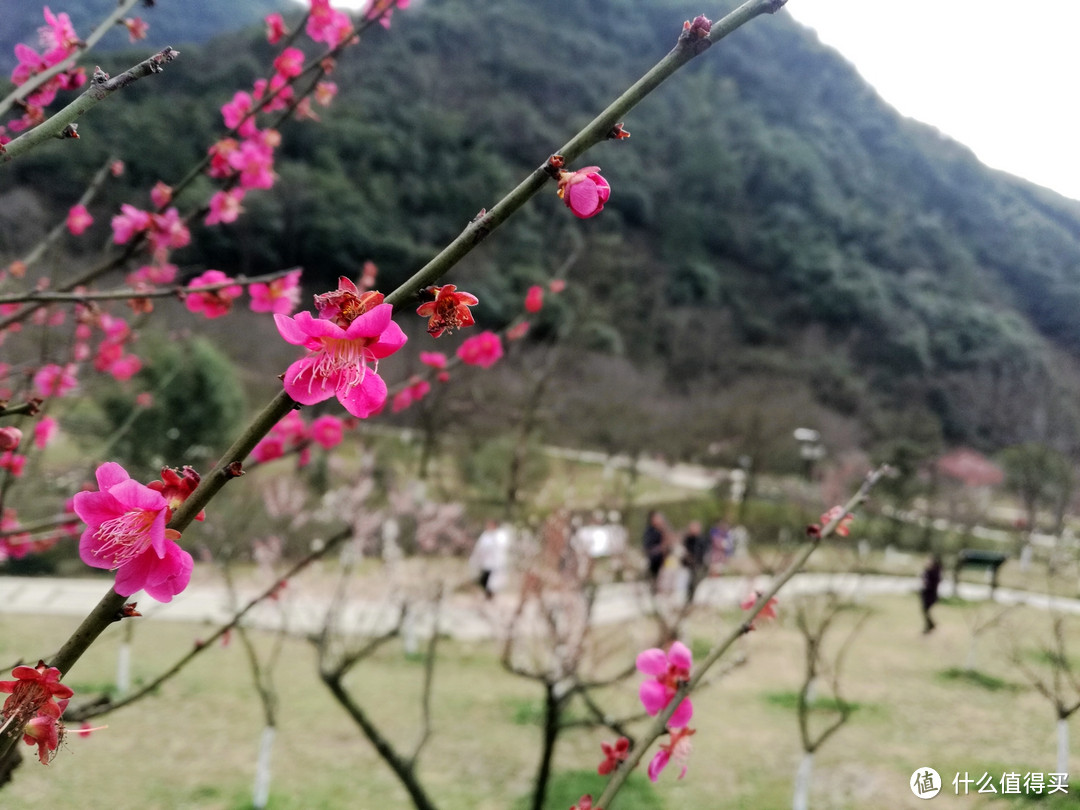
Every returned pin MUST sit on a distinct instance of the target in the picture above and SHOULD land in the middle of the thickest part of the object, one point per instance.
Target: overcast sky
(1000, 77)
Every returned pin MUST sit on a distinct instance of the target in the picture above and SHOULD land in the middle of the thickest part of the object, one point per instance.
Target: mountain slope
(771, 217)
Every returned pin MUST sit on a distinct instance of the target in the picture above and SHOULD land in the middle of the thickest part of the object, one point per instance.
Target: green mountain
(774, 226)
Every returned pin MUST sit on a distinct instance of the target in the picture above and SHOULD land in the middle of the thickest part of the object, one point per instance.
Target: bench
(989, 561)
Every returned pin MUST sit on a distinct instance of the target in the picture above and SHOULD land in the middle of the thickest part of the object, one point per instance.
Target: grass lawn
(194, 744)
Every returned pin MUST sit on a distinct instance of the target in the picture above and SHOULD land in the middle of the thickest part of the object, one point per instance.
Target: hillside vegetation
(777, 235)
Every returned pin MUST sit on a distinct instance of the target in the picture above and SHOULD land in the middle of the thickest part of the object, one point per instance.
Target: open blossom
(328, 25)
(668, 670)
(125, 531)
(36, 701)
(290, 62)
(280, 295)
(584, 191)
(835, 513)
(613, 755)
(275, 28)
(211, 303)
(534, 298)
(678, 748)
(44, 431)
(52, 380)
(225, 206)
(327, 431)
(482, 350)
(136, 28)
(79, 219)
(176, 486)
(448, 311)
(128, 222)
(345, 344)
(767, 612)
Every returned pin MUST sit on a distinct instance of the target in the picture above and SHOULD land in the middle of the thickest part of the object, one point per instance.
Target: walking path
(462, 616)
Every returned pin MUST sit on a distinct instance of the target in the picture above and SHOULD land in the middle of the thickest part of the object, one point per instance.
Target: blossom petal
(366, 398)
(658, 763)
(175, 572)
(680, 656)
(391, 339)
(682, 715)
(654, 696)
(371, 323)
(110, 474)
(652, 662)
(303, 386)
(88, 550)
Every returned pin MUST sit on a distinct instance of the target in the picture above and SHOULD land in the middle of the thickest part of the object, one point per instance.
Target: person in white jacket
(490, 557)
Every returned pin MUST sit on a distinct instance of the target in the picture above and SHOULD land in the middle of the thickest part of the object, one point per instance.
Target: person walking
(655, 546)
(928, 594)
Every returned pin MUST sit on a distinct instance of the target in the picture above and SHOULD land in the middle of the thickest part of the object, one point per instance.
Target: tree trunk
(802, 783)
(261, 792)
(552, 710)
(1063, 745)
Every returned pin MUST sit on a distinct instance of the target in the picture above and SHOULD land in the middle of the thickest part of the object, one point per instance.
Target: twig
(62, 124)
(106, 704)
(659, 725)
(38, 79)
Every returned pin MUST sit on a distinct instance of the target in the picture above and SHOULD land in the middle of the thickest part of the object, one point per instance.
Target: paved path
(463, 616)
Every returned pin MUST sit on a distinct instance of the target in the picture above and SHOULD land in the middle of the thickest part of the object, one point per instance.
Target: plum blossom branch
(61, 227)
(49, 296)
(105, 703)
(659, 725)
(593, 133)
(62, 123)
(37, 80)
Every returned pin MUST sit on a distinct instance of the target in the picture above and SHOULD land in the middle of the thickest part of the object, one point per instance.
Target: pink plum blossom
(268, 448)
(161, 194)
(275, 28)
(237, 113)
(79, 219)
(52, 380)
(678, 748)
(433, 359)
(10, 438)
(128, 222)
(44, 431)
(328, 25)
(584, 191)
(211, 303)
(290, 62)
(482, 350)
(327, 431)
(12, 462)
(125, 531)
(342, 360)
(279, 296)
(136, 28)
(225, 206)
(167, 230)
(534, 298)
(668, 670)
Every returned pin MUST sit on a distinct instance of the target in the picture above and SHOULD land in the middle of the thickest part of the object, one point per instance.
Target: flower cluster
(293, 434)
(36, 701)
(58, 41)
(125, 531)
(669, 671)
(353, 332)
